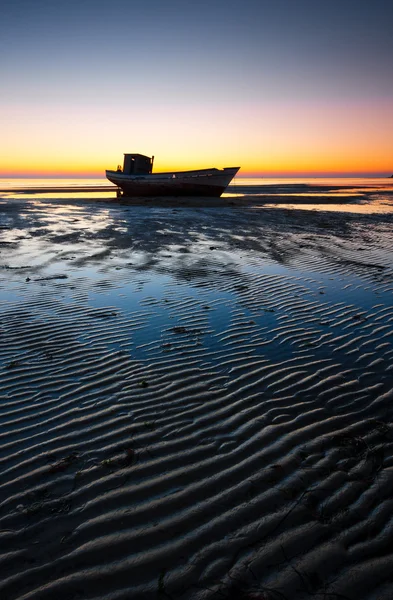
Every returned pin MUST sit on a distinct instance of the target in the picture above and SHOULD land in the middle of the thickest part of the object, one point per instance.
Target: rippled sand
(195, 403)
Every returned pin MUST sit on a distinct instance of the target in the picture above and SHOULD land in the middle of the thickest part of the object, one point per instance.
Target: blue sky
(84, 58)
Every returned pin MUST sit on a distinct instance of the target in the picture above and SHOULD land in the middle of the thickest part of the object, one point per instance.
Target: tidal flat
(196, 403)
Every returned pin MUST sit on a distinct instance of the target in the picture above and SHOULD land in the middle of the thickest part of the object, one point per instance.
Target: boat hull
(206, 182)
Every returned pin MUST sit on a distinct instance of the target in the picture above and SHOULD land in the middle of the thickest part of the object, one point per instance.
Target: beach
(196, 400)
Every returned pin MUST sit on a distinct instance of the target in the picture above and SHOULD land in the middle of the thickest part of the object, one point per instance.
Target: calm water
(351, 194)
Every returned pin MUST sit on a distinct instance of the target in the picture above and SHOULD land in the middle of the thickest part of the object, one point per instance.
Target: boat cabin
(137, 164)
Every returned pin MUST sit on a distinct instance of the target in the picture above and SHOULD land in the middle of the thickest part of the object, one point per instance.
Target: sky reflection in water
(170, 268)
(353, 194)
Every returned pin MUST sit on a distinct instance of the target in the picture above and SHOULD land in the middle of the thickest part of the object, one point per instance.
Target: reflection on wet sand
(192, 397)
(192, 240)
(345, 194)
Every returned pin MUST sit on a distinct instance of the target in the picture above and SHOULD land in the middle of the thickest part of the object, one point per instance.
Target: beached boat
(137, 179)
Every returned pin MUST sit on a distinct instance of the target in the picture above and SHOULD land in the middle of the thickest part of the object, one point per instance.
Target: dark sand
(196, 403)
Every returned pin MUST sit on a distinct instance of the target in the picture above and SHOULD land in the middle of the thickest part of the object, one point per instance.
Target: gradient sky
(280, 87)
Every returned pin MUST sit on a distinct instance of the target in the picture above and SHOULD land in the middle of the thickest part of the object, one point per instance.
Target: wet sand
(196, 403)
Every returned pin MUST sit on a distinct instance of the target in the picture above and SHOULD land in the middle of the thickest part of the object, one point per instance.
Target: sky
(278, 87)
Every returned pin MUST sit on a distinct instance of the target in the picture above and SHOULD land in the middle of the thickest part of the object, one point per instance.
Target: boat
(136, 178)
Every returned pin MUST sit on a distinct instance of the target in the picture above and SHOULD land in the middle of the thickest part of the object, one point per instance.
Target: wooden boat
(137, 179)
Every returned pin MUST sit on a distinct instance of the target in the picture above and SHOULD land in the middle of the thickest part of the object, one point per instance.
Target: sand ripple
(200, 411)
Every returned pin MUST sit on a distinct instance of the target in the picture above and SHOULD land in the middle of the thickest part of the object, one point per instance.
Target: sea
(364, 195)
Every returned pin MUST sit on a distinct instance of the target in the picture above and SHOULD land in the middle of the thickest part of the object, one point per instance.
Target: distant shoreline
(59, 189)
(348, 196)
(277, 188)
(240, 176)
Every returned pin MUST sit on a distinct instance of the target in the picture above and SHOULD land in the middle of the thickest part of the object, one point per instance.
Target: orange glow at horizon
(283, 139)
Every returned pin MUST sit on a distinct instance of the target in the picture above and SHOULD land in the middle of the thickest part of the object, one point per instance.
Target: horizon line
(262, 175)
